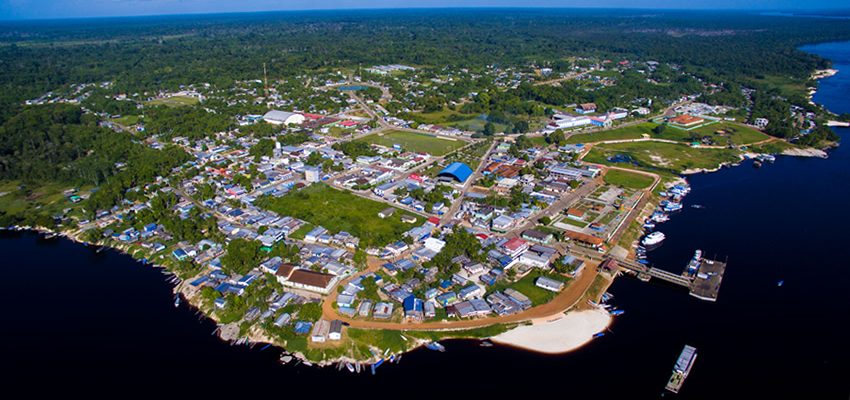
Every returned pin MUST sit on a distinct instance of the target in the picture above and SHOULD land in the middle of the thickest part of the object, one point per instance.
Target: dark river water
(75, 321)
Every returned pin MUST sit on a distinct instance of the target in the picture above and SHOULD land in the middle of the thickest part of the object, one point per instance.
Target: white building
(283, 118)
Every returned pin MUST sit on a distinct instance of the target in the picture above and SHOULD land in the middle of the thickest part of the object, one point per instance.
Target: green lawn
(526, 286)
(663, 157)
(337, 210)
(775, 147)
(574, 222)
(628, 132)
(416, 142)
(439, 117)
(174, 101)
(629, 180)
(737, 134)
(127, 120)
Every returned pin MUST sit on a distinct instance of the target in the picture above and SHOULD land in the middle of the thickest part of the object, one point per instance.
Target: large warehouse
(457, 171)
(283, 118)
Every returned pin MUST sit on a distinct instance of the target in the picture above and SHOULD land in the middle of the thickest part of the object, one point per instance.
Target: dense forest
(145, 54)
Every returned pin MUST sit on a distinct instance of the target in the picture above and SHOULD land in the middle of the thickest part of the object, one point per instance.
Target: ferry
(682, 369)
(435, 346)
(653, 239)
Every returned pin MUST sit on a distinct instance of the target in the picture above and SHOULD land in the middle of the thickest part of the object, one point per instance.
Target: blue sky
(28, 9)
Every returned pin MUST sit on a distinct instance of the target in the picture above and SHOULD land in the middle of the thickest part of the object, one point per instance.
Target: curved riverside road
(565, 300)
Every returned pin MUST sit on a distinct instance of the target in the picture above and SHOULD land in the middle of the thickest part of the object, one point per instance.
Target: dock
(705, 285)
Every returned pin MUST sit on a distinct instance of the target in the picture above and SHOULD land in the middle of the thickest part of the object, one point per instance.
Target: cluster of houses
(586, 115)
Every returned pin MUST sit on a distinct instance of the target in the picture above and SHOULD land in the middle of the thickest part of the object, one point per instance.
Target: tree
(659, 129)
(489, 129)
(242, 256)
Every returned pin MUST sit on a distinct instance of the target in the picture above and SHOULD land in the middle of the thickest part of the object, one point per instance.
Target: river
(104, 324)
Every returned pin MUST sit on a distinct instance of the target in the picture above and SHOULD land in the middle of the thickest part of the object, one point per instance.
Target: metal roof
(457, 170)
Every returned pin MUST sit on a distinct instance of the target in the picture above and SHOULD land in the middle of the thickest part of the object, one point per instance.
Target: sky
(45, 9)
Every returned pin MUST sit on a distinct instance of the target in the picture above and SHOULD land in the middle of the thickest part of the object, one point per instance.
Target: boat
(349, 367)
(649, 225)
(780, 283)
(177, 300)
(693, 265)
(266, 347)
(285, 358)
(616, 312)
(653, 238)
(682, 368)
(643, 261)
(357, 367)
(697, 206)
(435, 346)
(757, 164)
(598, 335)
(486, 343)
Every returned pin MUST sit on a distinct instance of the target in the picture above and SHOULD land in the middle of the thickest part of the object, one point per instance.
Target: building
(586, 108)
(457, 171)
(686, 121)
(413, 308)
(294, 277)
(312, 174)
(549, 284)
(537, 236)
(320, 331)
(387, 212)
(283, 118)
(335, 331)
(514, 247)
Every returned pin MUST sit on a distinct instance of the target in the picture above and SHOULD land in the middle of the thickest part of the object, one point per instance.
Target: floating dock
(704, 285)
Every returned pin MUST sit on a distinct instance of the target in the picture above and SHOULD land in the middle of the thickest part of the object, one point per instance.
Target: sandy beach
(567, 333)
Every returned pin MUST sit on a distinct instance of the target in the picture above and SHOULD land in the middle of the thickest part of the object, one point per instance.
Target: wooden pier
(704, 285)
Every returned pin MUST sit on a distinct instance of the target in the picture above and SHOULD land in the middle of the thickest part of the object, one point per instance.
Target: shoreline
(563, 334)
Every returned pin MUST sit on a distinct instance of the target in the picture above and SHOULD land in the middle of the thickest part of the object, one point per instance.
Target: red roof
(415, 177)
(686, 119)
(348, 122)
(514, 244)
(312, 116)
(434, 220)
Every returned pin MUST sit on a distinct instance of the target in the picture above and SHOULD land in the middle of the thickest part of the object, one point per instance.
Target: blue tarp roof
(457, 170)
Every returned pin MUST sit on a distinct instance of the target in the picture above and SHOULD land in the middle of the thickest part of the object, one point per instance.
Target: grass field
(174, 101)
(628, 132)
(737, 134)
(775, 147)
(127, 120)
(337, 210)
(665, 157)
(629, 180)
(416, 142)
(439, 117)
(527, 287)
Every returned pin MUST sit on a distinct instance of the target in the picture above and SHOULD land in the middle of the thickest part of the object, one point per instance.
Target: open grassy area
(774, 147)
(628, 132)
(439, 117)
(46, 198)
(127, 120)
(174, 101)
(663, 157)
(629, 180)
(526, 286)
(338, 210)
(722, 133)
(416, 142)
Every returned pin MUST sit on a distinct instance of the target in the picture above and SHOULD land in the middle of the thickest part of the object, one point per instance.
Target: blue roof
(457, 170)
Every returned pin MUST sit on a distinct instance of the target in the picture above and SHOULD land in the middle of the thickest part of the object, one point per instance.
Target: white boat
(653, 239)
(349, 367)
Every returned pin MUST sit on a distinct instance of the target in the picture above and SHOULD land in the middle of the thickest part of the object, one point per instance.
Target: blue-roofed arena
(457, 171)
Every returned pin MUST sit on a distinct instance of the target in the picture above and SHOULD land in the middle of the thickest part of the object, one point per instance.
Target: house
(335, 331)
(282, 320)
(320, 331)
(413, 308)
(586, 108)
(534, 259)
(536, 236)
(502, 223)
(383, 310)
(408, 219)
(387, 212)
(576, 214)
(514, 247)
(313, 235)
(434, 244)
(470, 291)
(312, 174)
(549, 284)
